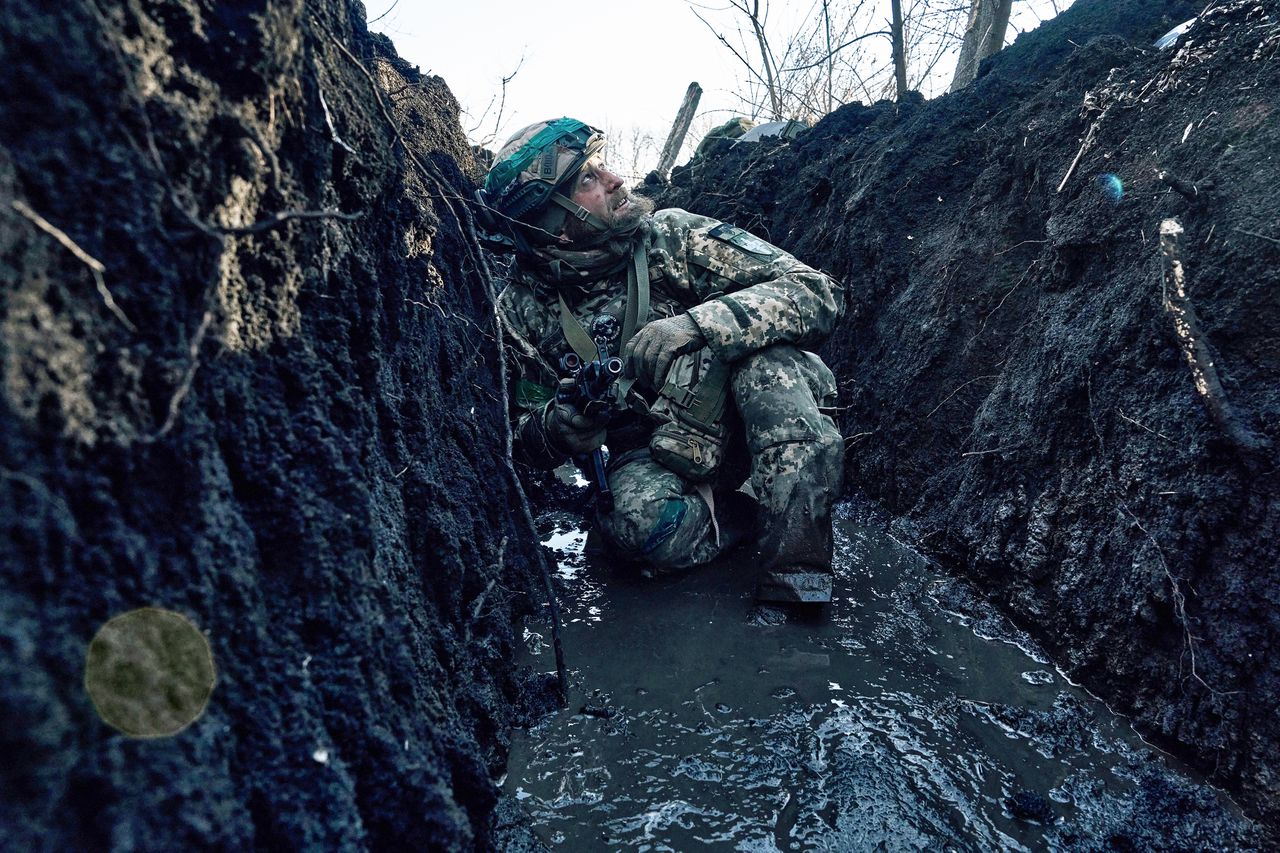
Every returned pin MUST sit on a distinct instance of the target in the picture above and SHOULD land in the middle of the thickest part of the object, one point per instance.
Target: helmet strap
(580, 213)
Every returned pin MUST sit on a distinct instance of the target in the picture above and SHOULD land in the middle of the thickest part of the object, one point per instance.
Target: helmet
(528, 183)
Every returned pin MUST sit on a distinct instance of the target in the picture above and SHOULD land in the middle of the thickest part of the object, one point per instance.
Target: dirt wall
(276, 407)
(1015, 386)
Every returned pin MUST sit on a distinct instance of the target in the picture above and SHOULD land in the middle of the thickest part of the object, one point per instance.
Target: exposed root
(1179, 599)
(328, 120)
(1259, 236)
(95, 266)
(1195, 347)
(994, 450)
(188, 376)
(472, 244)
(958, 390)
(1140, 425)
(39, 488)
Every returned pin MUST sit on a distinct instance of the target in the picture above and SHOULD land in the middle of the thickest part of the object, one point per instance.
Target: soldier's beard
(620, 220)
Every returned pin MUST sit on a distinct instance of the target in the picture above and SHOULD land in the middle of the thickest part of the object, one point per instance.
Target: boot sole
(795, 588)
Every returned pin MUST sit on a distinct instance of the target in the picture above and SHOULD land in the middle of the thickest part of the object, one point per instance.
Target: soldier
(712, 326)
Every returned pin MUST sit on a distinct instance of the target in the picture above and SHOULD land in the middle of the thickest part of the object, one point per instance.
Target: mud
(1016, 390)
(289, 429)
(248, 373)
(912, 717)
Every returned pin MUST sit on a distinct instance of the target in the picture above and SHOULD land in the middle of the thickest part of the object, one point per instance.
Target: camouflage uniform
(757, 307)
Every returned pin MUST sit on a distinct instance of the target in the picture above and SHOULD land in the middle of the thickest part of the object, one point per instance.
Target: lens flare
(1111, 185)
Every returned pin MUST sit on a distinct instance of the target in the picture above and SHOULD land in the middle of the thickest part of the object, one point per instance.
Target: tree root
(1194, 345)
(95, 266)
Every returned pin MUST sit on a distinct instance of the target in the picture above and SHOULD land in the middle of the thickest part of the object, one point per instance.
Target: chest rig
(690, 436)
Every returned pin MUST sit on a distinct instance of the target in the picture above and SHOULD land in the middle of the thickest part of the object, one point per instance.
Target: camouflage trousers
(795, 457)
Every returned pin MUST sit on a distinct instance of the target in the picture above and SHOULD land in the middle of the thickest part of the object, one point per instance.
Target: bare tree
(501, 100)
(899, 50)
(814, 56)
(983, 37)
(631, 151)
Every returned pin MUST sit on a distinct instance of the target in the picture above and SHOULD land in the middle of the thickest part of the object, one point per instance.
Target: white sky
(621, 65)
(608, 62)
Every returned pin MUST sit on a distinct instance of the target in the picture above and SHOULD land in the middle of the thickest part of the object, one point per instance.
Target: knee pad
(667, 533)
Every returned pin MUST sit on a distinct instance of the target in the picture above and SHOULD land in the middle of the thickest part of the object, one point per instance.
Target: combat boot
(795, 585)
(796, 548)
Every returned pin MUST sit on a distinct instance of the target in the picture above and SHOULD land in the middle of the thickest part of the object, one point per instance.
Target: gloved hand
(571, 432)
(648, 355)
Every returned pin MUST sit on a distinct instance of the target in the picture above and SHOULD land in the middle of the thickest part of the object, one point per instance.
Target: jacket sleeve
(750, 294)
(531, 382)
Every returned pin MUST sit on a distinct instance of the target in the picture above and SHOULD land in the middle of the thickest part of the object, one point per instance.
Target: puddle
(911, 718)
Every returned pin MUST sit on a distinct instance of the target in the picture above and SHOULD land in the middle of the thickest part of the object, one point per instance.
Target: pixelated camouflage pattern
(797, 460)
(565, 157)
(757, 310)
(740, 300)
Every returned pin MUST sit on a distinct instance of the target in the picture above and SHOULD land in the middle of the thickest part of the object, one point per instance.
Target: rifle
(589, 387)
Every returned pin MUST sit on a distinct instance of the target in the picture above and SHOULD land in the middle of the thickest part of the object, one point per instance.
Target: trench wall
(1015, 389)
(288, 425)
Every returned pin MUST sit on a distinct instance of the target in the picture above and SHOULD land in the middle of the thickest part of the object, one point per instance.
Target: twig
(328, 119)
(992, 450)
(1084, 146)
(1123, 416)
(1016, 245)
(384, 14)
(95, 266)
(958, 390)
(184, 387)
(277, 219)
(1259, 236)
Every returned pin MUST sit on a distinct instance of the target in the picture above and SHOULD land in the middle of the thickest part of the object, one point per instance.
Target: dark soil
(281, 410)
(296, 436)
(1014, 385)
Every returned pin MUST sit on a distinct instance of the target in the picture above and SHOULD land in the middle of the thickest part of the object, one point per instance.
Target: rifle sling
(637, 311)
(635, 315)
(577, 336)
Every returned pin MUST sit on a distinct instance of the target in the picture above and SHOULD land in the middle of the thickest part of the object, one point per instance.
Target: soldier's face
(603, 194)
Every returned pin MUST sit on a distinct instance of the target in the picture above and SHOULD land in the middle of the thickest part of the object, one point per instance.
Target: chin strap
(580, 213)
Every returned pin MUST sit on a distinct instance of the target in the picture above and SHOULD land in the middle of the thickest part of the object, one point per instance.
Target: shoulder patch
(744, 240)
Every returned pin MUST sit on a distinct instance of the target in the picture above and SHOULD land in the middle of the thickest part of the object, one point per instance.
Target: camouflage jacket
(743, 294)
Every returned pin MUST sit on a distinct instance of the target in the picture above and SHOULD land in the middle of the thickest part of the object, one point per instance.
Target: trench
(909, 716)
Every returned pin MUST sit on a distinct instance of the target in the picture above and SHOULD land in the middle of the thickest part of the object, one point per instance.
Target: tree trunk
(988, 20)
(775, 102)
(900, 50)
(675, 138)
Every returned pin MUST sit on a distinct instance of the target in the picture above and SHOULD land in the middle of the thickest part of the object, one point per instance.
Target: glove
(649, 354)
(572, 433)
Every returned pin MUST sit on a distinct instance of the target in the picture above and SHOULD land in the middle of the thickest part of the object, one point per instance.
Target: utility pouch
(690, 438)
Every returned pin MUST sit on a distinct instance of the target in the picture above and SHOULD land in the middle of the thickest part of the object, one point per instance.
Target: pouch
(690, 437)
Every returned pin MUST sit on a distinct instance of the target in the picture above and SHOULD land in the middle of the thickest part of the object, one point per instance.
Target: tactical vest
(690, 437)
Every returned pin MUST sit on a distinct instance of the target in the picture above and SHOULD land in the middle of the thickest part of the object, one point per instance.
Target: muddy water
(910, 717)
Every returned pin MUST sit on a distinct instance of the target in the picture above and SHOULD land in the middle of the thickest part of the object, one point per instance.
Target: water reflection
(912, 718)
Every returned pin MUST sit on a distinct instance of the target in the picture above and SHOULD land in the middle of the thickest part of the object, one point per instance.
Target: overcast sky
(616, 64)
(607, 62)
